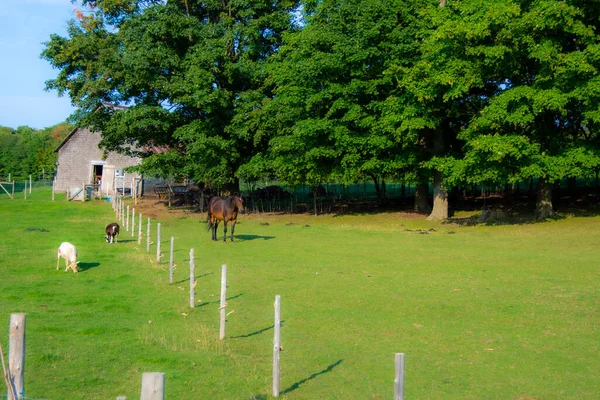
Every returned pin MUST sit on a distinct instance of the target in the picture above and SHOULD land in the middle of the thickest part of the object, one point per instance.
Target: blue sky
(24, 26)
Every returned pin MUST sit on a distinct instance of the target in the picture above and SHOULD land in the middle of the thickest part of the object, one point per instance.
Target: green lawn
(481, 312)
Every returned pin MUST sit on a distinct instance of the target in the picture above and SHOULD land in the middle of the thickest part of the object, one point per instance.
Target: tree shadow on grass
(85, 266)
(258, 332)
(313, 376)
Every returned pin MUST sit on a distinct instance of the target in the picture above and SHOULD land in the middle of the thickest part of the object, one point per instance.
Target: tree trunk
(440, 199)
(421, 199)
(543, 208)
(440, 194)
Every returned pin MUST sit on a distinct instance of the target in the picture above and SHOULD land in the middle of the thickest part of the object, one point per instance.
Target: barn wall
(75, 160)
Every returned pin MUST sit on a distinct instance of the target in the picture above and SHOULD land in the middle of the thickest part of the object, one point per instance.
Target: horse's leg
(224, 230)
(214, 232)
(233, 221)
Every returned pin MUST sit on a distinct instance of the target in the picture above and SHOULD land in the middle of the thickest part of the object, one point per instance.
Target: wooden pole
(153, 386)
(192, 279)
(133, 222)
(223, 308)
(16, 353)
(399, 379)
(140, 222)
(127, 220)
(171, 260)
(148, 237)
(158, 243)
(25, 191)
(276, 346)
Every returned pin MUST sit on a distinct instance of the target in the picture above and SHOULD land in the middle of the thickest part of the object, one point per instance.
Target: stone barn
(82, 162)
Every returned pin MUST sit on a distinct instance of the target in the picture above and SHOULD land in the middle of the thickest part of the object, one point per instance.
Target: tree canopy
(448, 92)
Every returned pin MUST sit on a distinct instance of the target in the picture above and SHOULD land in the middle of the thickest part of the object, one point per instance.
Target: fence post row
(171, 260)
(192, 279)
(140, 222)
(223, 306)
(16, 354)
(399, 379)
(158, 243)
(153, 386)
(276, 345)
(148, 237)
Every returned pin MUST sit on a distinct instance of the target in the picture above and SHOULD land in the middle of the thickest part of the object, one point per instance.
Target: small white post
(192, 279)
(276, 345)
(171, 260)
(29, 183)
(16, 353)
(399, 379)
(127, 220)
(140, 222)
(148, 237)
(133, 222)
(158, 243)
(223, 301)
(153, 386)
(25, 191)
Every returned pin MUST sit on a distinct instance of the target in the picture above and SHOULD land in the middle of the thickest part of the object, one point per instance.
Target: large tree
(188, 71)
(331, 90)
(542, 122)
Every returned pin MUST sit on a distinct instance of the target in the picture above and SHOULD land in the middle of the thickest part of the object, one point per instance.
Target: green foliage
(330, 90)
(25, 151)
(189, 70)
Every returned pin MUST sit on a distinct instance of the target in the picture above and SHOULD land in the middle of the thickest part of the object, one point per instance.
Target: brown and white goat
(112, 231)
(67, 251)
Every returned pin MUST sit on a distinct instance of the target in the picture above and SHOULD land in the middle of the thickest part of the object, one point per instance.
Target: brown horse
(223, 210)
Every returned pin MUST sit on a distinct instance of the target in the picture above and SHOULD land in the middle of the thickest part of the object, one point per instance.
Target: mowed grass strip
(481, 312)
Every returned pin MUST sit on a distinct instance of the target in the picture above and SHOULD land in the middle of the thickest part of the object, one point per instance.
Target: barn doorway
(97, 175)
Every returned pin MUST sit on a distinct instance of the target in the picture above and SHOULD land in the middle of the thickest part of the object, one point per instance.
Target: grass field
(481, 312)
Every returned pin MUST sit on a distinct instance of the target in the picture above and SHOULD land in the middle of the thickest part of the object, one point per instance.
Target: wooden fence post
(192, 279)
(121, 398)
(153, 386)
(16, 353)
(171, 260)
(399, 379)
(25, 191)
(148, 237)
(223, 308)
(127, 220)
(133, 222)
(158, 243)
(140, 222)
(276, 345)
(29, 183)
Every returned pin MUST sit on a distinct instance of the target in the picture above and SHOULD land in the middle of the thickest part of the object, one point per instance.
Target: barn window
(119, 173)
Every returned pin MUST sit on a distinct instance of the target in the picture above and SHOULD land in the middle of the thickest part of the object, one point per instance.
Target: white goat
(69, 253)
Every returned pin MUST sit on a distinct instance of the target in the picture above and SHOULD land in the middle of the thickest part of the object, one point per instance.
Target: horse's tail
(209, 224)
(209, 219)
